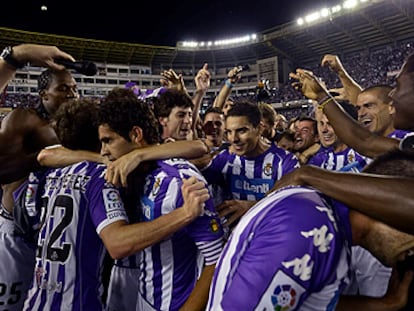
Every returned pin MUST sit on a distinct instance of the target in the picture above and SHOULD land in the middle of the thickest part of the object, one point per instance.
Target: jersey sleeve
(290, 163)
(105, 204)
(213, 172)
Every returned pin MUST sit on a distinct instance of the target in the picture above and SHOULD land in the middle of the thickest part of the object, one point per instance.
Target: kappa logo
(321, 238)
(302, 267)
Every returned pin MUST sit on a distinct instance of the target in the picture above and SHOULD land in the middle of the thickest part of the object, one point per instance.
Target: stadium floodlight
(190, 44)
(331, 12)
(336, 9)
(349, 4)
(247, 39)
(312, 17)
(325, 12)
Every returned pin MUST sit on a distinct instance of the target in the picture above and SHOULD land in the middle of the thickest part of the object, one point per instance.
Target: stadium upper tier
(382, 22)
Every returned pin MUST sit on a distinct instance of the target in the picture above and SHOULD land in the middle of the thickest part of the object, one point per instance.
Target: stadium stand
(372, 42)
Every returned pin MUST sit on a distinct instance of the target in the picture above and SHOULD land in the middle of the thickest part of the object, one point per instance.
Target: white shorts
(122, 289)
(143, 305)
(16, 269)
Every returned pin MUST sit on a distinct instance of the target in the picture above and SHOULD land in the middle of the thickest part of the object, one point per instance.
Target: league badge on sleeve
(282, 294)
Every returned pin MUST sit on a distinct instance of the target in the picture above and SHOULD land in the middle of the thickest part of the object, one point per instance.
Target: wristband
(8, 57)
(229, 84)
(324, 102)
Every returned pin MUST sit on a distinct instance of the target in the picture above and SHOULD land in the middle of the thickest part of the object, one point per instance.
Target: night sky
(169, 21)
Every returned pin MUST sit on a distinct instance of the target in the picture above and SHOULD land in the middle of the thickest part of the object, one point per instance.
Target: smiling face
(374, 114)
(327, 136)
(242, 136)
(305, 135)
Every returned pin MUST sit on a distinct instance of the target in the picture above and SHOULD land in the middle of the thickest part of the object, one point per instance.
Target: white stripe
(167, 260)
(249, 168)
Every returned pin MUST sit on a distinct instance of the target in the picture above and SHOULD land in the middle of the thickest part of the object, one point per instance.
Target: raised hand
(310, 85)
(118, 170)
(233, 75)
(202, 79)
(40, 55)
(333, 62)
(171, 79)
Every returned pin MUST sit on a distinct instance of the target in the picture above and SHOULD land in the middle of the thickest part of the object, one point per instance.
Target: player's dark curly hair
(75, 125)
(44, 79)
(121, 110)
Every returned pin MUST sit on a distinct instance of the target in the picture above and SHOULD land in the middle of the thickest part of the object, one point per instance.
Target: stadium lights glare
(350, 4)
(218, 43)
(329, 12)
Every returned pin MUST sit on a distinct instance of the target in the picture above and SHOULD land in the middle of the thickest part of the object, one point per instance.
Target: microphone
(242, 68)
(85, 67)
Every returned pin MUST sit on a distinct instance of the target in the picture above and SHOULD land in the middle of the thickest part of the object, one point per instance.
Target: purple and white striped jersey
(169, 269)
(399, 134)
(76, 204)
(290, 251)
(249, 178)
(346, 161)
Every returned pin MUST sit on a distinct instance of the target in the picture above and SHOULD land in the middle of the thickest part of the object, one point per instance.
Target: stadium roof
(384, 22)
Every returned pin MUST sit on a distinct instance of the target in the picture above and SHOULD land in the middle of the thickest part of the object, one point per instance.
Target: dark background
(154, 22)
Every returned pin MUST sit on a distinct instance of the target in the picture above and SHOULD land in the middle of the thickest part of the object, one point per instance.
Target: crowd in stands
(368, 68)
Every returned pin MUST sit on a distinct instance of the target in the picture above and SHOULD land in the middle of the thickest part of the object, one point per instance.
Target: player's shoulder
(23, 118)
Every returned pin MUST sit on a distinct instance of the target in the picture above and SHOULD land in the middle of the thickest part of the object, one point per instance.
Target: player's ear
(163, 121)
(136, 134)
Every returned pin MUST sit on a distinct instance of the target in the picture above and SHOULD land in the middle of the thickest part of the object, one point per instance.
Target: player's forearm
(197, 100)
(222, 96)
(60, 156)
(199, 296)
(183, 148)
(388, 199)
(130, 239)
(7, 73)
(352, 88)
